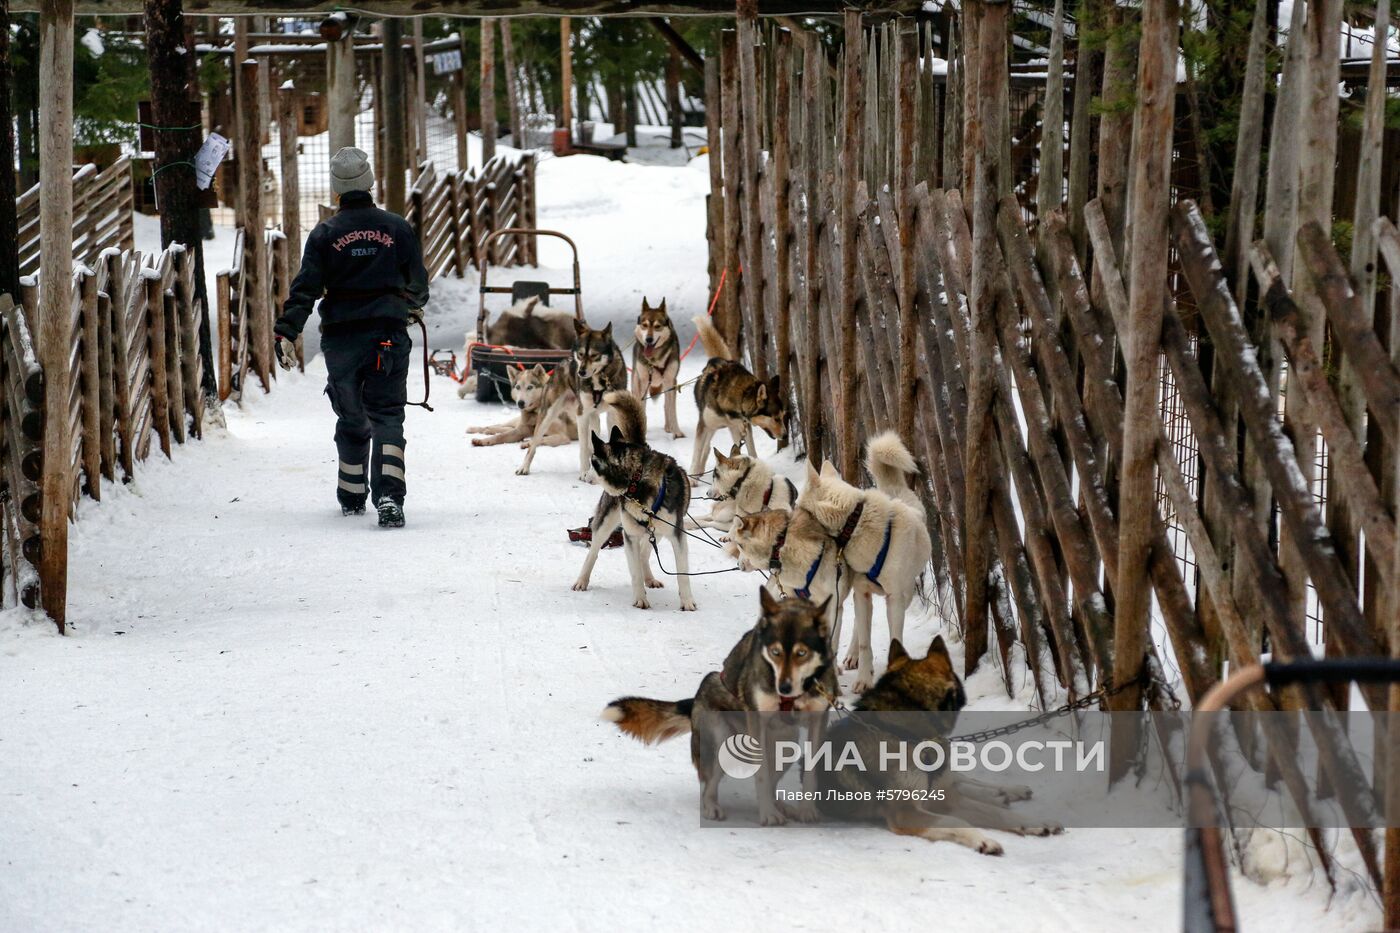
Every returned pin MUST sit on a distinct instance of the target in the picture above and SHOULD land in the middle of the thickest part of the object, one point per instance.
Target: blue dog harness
(847, 530)
(775, 564)
(660, 492)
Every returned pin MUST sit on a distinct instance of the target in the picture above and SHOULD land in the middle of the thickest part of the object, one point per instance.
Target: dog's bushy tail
(890, 463)
(628, 414)
(710, 337)
(650, 721)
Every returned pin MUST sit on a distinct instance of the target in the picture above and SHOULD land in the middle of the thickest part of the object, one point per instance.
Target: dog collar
(743, 478)
(634, 480)
(843, 538)
(775, 559)
(769, 494)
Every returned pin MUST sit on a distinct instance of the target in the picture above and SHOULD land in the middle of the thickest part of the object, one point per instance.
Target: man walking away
(365, 266)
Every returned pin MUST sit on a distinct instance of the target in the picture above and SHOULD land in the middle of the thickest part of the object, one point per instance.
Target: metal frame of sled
(489, 361)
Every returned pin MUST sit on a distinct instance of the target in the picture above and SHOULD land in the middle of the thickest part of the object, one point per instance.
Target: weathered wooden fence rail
(135, 380)
(455, 212)
(102, 201)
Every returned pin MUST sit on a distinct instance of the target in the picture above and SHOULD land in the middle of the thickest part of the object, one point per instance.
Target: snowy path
(269, 716)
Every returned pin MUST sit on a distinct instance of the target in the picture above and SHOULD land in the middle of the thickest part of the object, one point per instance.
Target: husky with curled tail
(882, 536)
(729, 396)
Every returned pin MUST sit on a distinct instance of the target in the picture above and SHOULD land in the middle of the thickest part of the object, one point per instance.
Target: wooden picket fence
(102, 202)
(135, 381)
(454, 213)
(244, 314)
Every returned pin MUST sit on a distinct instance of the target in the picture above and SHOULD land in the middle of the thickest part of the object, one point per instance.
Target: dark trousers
(367, 381)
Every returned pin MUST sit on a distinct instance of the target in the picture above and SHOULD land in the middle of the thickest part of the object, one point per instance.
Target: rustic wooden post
(1050, 184)
(343, 90)
(729, 91)
(1244, 188)
(420, 103)
(714, 201)
(750, 162)
(254, 264)
(291, 182)
(987, 150)
(395, 118)
(853, 106)
(782, 209)
(488, 91)
(55, 339)
(1116, 124)
(9, 220)
(566, 82)
(906, 160)
(459, 117)
(517, 129)
(1147, 292)
(91, 388)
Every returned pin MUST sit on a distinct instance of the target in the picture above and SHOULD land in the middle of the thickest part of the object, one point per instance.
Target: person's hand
(287, 353)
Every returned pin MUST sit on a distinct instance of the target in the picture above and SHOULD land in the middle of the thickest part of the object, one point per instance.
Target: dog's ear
(814, 479)
(580, 327)
(720, 458)
(607, 331)
(645, 307)
(539, 370)
(616, 436)
(600, 447)
(829, 470)
(939, 647)
(734, 450)
(767, 602)
(897, 653)
(761, 394)
(662, 307)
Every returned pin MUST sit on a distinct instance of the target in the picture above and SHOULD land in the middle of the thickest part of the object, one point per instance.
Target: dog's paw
(712, 811)
(688, 605)
(804, 812)
(678, 434)
(862, 684)
(1013, 793)
(580, 585)
(525, 445)
(478, 442)
(771, 815)
(1039, 829)
(654, 584)
(523, 471)
(988, 846)
(642, 603)
(851, 661)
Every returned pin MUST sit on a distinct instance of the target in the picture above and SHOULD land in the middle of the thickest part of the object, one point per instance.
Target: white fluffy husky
(881, 535)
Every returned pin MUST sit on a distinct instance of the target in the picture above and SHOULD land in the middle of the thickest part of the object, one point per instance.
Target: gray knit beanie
(351, 171)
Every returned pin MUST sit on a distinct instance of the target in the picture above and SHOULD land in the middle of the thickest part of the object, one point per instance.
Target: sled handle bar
(482, 264)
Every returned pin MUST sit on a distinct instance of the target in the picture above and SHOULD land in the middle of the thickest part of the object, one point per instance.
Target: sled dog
(927, 685)
(728, 395)
(799, 557)
(744, 486)
(882, 538)
(526, 324)
(594, 368)
(528, 388)
(781, 664)
(644, 491)
(656, 359)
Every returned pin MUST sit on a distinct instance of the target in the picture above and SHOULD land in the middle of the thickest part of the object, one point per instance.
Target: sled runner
(489, 361)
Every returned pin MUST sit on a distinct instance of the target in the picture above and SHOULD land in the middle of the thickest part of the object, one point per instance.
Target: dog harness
(775, 564)
(843, 538)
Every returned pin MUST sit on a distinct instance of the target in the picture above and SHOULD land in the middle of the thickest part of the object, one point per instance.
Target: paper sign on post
(206, 161)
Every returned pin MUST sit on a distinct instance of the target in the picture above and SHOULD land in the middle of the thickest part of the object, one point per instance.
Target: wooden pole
(729, 91)
(257, 312)
(488, 91)
(986, 145)
(55, 296)
(906, 158)
(1116, 123)
(291, 181)
(566, 76)
(751, 161)
(1147, 292)
(1050, 184)
(395, 118)
(344, 92)
(9, 221)
(1244, 187)
(420, 94)
(853, 117)
(512, 86)
(782, 208)
(673, 99)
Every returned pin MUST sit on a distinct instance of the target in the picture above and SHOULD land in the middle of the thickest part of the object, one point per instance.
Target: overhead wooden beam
(496, 8)
(677, 42)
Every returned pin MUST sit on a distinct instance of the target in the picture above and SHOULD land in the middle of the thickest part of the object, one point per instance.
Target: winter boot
(390, 513)
(350, 504)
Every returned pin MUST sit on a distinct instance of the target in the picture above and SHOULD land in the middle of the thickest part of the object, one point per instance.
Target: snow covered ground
(268, 716)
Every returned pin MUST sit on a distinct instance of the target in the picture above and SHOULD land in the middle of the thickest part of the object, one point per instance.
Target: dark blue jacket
(362, 264)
